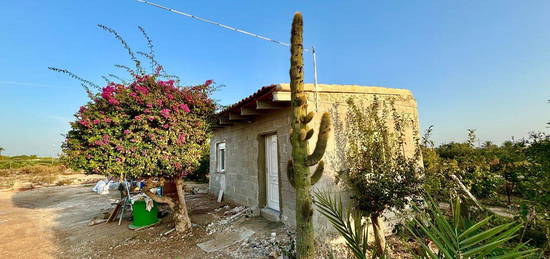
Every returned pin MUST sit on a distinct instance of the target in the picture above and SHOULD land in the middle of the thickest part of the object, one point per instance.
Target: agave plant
(455, 237)
(346, 221)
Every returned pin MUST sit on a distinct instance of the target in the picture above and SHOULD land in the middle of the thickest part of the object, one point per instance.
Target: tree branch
(164, 199)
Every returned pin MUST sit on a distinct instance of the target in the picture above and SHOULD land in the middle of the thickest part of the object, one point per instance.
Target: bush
(42, 170)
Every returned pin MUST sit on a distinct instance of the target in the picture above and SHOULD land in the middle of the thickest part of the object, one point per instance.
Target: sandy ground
(52, 222)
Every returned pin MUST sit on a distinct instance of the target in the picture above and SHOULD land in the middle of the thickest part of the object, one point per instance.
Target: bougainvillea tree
(144, 129)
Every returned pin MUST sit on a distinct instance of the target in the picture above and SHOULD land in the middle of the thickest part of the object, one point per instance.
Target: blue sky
(470, 64)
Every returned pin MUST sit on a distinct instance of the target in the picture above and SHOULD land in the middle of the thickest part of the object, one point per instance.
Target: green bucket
(142, 217)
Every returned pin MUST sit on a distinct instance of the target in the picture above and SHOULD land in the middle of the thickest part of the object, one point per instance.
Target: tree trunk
(178, 207)
(379, 236)
(181, 216)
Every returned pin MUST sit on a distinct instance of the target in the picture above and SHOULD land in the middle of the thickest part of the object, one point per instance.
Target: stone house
(250, 147)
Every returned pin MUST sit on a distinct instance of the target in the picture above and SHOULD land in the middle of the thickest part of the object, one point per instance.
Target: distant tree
(537, 179)
(471, 137)
(379, 173)
(144, 129)
(1, 150)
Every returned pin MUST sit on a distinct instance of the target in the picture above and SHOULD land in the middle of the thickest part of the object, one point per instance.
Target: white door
(272, 172)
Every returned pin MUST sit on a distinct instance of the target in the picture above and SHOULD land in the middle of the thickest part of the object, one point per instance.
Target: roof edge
(334, 88)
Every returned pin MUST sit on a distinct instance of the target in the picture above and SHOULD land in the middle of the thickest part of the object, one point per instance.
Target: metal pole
(315, 78)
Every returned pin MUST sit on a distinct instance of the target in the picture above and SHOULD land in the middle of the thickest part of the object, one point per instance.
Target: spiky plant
(298, 168)
(346, 221)
(456, 237)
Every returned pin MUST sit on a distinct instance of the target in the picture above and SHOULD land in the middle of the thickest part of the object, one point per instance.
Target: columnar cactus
(298, 168)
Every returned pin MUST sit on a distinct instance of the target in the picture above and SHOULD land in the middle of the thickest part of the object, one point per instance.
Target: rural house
(250, 148)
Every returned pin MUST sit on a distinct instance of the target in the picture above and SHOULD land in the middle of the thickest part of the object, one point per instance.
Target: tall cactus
(298, 168)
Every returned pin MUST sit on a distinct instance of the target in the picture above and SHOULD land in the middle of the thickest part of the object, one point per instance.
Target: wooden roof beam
(250, 111)
(269, 105)
(281, 96)
(224, 121)
(236, 117)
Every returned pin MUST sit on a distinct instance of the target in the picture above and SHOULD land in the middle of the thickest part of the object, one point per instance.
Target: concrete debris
(96, 221)
(198, 190)
(168, 232)
(281, 245)
(225, 239)
(231, 216)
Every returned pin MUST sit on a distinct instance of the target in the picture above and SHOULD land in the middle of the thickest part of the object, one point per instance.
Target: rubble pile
(279, 244)
(230, 217)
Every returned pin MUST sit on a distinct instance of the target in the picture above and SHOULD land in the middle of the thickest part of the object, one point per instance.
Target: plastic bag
(101, 187)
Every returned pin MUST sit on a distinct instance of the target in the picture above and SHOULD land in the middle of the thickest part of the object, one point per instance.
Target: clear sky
(470, 64)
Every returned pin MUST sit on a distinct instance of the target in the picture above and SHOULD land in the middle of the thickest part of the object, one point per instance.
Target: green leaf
(521, 254)
(471, 241)
(475, 227)
(488, 246)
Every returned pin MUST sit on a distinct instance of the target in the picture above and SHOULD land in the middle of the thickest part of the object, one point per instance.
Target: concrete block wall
(241, 176)
(243, 181)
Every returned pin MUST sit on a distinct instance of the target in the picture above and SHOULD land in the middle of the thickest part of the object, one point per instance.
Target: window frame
(221, 157)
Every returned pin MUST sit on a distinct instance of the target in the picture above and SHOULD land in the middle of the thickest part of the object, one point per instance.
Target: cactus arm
(303, 134)
(290, 174)
(308, 117)
(320, 147)
(318, 172)
(309, 134)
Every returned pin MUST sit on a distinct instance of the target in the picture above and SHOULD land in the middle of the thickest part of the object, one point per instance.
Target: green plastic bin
(142, 217)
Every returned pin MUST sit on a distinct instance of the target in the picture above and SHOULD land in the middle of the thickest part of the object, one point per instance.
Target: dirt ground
(52, 222)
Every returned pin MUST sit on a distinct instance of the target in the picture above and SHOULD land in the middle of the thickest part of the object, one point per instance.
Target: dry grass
(37, 175)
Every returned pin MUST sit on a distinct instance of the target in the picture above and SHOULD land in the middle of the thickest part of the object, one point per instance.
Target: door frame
(262, 170)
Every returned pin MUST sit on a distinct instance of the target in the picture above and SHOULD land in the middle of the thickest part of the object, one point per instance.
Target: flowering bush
(146, 128)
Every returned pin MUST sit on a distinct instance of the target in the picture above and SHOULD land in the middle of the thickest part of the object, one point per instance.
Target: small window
(221, 157)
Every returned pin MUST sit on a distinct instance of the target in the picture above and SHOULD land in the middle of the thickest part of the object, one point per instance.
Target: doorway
(272, 172)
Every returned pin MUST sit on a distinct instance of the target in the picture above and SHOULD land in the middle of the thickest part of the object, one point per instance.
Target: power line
(218, 24)
(249, 34)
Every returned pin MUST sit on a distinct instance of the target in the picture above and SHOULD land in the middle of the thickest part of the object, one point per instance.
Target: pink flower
(96, 121)
(147, 111)
(151, 118)
(150, 105)
(166, 126)
(84, 123)
(138, 118)
(107, 92)
(107, 120)
(170, 96)
(82, 109)
(184, 107)
(126, 132)
(208, 82)
(141, 89)
(177, 165)
(181, 139)
(165, 113)
(158, 69)
(142, 78)
(113, 101)
(118, 159)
